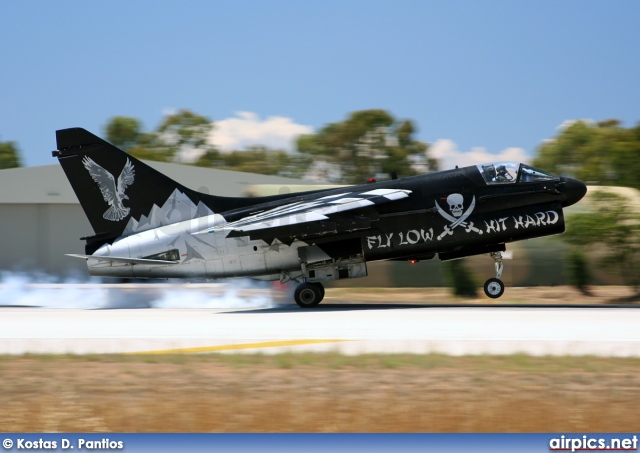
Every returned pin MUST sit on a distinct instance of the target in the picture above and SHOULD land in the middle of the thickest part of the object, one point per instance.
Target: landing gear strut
(309, 295)
(494, 287)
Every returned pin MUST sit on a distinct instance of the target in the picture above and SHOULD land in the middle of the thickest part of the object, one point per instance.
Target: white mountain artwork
(176, 208)
(112, 193)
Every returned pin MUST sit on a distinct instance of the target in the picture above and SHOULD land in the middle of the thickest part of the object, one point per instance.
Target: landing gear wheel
(319, 285)
(494, 288)
(308, 295)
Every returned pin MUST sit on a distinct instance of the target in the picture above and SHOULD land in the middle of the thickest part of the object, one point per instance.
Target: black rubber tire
(321, 287)
(494, 288)
(307, 295)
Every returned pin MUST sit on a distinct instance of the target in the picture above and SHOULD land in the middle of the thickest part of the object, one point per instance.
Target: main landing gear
(308, 294)
(494, 287)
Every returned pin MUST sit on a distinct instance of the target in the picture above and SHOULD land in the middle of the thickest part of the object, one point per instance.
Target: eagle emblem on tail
(112, 193)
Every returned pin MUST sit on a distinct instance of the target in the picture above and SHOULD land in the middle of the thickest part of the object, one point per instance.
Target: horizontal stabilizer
(122, 259)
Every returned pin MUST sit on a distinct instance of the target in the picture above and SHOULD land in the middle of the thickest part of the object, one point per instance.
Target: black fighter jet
(149, 226)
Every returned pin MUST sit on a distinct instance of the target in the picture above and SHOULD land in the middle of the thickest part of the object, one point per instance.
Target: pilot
(502, 174)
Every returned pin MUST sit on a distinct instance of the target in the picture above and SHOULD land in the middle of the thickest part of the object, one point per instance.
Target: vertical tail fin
(119, 192)
(122, 195)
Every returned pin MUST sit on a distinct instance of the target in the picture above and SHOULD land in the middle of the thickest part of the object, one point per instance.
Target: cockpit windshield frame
(530, 174)
(513, 172)
(500, 172)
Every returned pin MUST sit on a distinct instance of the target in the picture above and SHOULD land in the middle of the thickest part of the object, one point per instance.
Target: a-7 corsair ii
(149, 226)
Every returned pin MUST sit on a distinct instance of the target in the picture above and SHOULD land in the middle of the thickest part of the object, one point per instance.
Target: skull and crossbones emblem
(456, 204)
(457, 217)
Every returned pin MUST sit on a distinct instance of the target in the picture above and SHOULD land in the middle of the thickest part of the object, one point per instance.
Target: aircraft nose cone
(574, 190)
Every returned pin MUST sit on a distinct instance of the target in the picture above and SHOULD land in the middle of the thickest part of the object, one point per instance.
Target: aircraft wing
(310, 217)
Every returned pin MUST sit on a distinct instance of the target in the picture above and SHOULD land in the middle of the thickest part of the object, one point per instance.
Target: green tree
(368, 143)
(185, 132)
(578, 268)
(257, 159)
(9, 155)
(460, 278)
(605, 152)
(151, 146)
(179, 137)
(124, 132)
(616, 227)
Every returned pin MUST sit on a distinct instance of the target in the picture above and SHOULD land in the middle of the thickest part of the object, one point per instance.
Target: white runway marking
(349, 329)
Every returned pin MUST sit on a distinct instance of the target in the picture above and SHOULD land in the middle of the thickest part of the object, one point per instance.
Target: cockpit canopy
(512, 172)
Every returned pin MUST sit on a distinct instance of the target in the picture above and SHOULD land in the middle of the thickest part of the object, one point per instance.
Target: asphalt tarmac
(347, 328)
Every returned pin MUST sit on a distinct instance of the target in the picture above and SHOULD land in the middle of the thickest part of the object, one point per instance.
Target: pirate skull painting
(457, 216)
(456, 204)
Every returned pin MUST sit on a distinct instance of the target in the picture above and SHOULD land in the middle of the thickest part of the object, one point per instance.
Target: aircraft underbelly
(206, 256)
(109, 269)
(194, 269)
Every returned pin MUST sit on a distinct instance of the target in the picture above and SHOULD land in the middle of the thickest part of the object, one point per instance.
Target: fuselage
(455, 210)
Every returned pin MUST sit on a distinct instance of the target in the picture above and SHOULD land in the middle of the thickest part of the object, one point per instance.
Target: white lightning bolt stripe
(310, 211)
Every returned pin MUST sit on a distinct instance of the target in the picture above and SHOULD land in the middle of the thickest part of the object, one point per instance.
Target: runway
(349, 329)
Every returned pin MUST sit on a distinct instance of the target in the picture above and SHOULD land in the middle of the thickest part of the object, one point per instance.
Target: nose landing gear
(494, 287)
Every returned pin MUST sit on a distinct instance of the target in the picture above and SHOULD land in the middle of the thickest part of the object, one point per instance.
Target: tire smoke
(42, 290)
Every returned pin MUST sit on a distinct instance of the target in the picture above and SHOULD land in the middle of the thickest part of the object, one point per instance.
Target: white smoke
(241, 293)
(40, 290)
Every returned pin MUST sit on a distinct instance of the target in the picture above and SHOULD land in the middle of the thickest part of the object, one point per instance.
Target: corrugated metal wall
(35, 237)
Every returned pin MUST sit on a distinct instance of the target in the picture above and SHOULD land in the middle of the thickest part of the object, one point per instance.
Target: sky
(482, 80)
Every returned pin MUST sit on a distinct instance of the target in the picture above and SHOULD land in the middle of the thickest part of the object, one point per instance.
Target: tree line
(367, 143)
(603, 153)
